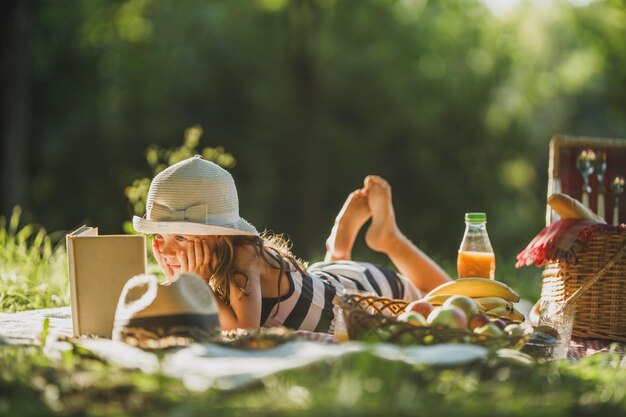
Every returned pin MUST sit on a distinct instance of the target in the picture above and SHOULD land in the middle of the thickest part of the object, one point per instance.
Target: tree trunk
(15, 100)
(304, 22)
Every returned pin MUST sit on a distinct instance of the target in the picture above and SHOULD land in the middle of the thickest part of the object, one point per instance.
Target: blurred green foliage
(360, 384)
(453, 104)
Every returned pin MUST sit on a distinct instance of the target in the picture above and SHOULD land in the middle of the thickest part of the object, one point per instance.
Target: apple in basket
(420, 306)
(469, 306)
(489, 329)
(479, 320)
(448, 316)
(498, 322)
(412, 317)
(514, 329)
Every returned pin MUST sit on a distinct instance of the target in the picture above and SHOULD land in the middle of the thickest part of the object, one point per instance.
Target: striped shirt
(308, 305)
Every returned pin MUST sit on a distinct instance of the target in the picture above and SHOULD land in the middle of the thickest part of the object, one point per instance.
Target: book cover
(99, 266)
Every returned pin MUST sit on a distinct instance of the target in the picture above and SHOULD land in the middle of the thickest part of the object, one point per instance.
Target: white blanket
(26, 327)
(204, 366)
(212, 366)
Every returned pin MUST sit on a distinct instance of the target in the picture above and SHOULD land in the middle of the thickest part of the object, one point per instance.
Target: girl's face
(170, 247)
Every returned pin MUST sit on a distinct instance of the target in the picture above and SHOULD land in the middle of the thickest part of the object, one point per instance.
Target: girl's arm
(228, 319)
(245, 308)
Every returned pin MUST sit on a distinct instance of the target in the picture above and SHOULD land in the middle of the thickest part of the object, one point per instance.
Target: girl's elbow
(232, 323)
(249, 324)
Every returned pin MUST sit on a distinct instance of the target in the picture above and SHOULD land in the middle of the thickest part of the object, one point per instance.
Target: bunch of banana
(493, 297)
(506, 312)
(475, 288)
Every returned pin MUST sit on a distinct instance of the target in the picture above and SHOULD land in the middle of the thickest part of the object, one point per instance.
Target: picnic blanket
(206, 365)
(25, 327)
(203, 366)
(580, 348)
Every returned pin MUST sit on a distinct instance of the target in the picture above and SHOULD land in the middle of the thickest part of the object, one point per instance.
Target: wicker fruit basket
(596, 283)
(371, 318)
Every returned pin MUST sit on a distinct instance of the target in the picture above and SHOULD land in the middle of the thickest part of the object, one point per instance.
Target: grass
(361, 384)
(33, 271)
(32, 275)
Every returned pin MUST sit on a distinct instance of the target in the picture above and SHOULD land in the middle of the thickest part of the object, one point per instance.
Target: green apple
(514, 330)
(416, 319)
(469, 306)
(412, 317)
(489, 329)
(448, 316)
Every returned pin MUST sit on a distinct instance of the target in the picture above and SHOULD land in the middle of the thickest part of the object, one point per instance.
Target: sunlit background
(454, 102)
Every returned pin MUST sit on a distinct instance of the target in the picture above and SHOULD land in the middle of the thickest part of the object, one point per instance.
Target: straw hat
(193, 197)
(177, 313)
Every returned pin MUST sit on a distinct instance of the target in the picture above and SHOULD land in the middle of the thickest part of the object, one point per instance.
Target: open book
(99, 266)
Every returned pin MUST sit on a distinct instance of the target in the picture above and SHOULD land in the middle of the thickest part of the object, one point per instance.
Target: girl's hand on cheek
(196, 258)
(157, 255)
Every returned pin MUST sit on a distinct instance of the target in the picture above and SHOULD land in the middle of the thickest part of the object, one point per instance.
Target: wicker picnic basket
(596, 283)
(371, 318)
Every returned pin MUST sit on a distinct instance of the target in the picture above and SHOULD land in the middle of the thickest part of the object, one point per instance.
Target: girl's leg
(384, 236)
(351, 217)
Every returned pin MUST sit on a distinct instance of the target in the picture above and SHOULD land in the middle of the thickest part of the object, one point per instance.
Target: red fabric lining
(580, 348)
(561, 241)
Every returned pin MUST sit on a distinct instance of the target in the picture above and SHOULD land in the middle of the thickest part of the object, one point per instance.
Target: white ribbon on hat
(161, 212)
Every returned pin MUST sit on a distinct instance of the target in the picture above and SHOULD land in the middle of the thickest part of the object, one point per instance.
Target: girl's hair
(273, 249)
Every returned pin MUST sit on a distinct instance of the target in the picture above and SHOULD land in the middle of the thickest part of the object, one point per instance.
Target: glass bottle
(476, 257)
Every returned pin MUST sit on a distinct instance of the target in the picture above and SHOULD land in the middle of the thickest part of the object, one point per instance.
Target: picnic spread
(174, 328)
(464, 320)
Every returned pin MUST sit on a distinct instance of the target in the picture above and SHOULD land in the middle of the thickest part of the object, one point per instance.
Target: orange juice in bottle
(476, 257)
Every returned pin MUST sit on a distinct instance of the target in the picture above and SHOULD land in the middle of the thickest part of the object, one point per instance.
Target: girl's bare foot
(351, 217)
(383, 231)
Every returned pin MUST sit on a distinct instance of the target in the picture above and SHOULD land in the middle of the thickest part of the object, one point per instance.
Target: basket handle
(579, 292)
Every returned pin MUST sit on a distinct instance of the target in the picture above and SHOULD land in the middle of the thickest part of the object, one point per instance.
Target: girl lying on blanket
(193, 214)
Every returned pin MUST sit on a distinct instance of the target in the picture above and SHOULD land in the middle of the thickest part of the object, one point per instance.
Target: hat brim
(239, 228)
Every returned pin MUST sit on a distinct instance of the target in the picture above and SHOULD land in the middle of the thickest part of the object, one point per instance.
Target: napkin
(559, 241)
